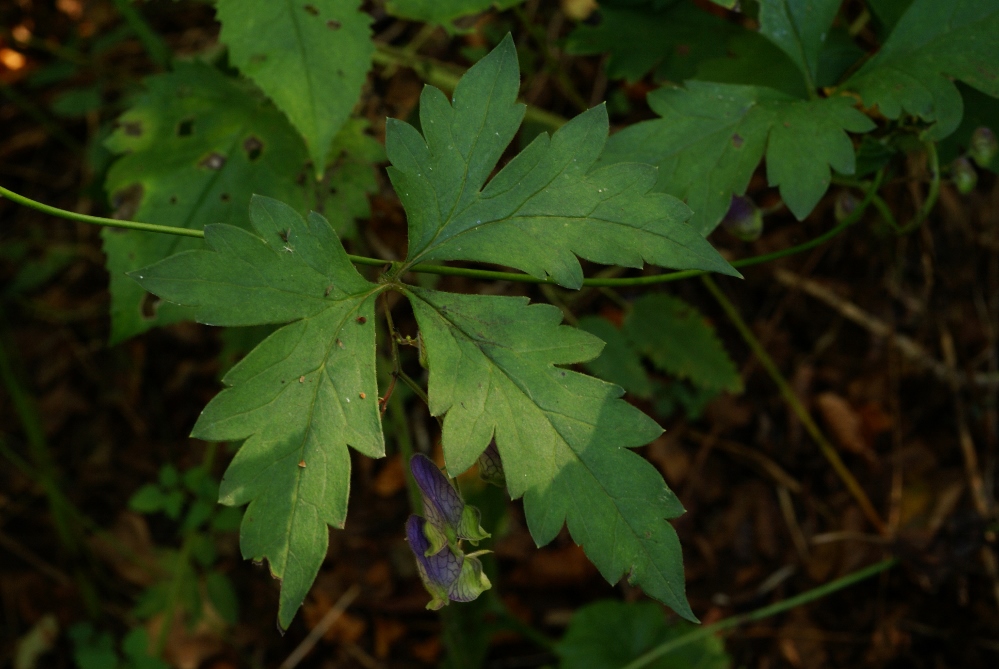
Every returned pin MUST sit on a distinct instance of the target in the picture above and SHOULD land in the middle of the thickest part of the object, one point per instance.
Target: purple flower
(448, 574)
(491, 466)
(448, 518)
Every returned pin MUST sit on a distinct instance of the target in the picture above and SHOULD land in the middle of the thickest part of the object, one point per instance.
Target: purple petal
(438, 571)
(442, 505)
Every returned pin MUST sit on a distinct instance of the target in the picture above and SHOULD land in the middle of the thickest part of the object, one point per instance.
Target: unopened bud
(983, 146)
(744, 219)
(846, 205)
(964, 176)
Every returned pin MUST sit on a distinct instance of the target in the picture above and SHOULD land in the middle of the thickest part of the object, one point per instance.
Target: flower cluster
(448, 573)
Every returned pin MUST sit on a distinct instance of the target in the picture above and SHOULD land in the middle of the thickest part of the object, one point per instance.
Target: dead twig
(317, 632)
(906, 345)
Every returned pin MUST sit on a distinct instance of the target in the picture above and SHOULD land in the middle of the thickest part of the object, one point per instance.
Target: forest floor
(876, 335)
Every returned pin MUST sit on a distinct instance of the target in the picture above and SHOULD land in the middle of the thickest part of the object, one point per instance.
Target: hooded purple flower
(448, 518)
(448, 575)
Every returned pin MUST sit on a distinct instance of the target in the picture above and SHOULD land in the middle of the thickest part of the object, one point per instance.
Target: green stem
(759, 614)
(830, 453)
(489, 275)
(157, 49)
(931, 196)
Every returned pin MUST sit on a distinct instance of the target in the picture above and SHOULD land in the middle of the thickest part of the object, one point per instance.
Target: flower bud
(964, 176)
(744, 219)
(983, 146)
(846, 205)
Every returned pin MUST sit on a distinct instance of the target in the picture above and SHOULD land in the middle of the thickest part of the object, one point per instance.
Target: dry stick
(317, 632)
(907, 346)
(971, 469)
(795, 405)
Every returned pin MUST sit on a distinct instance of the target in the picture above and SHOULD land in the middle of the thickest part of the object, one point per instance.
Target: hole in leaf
(253, 147)
(213, 162)
(132, 128)
(311, 9)
(150, 305)
(185, 128)
(225, 197)
(126, 201)
(333, 24)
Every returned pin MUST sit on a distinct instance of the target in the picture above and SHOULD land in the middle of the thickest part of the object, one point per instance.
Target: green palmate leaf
(619, 362)
(671, 42)
(612, 634)
(933, 44)
(300, 397)
(543, 208)
(562, 436)
(712, 136)
(799, 28)
(353, 179)
(198, 144)
(678, 341)
(442, 11)
(310, 57)
(752, 60)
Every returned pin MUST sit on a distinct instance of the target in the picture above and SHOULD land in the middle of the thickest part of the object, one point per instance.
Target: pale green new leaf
(711, 137)
(197, 145)
(442, 11)
(563, 437)
(547, 205)
(799, 28)
(298, 399)
(678, 341)
(932, 44)
(670, 42)
(310, 57)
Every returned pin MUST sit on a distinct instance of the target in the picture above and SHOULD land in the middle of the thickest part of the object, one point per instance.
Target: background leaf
(671, 42)
(933, 44)
(711, 137)
(301, 396)
(442, 11)
(678, 341)
(618, 362)
(799, 28)
(612, 634)
(197, 145)
(562, 436)
(311, 58)
(543, 208)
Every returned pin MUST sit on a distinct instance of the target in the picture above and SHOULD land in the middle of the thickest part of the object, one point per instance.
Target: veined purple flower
(448, 574)
(449, 519)
(491, 467)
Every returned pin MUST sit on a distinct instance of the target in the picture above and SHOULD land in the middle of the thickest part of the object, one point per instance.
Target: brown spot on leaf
(737, 141)
(253, 147)
(311, 9)
(132, 128)
(361, 320)
(333, 24)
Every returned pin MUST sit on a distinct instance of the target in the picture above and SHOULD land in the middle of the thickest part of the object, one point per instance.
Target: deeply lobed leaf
(547, 205)
(301, 396)
(932, 44)
(562, 436)
(711, 137)
(311, 58)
